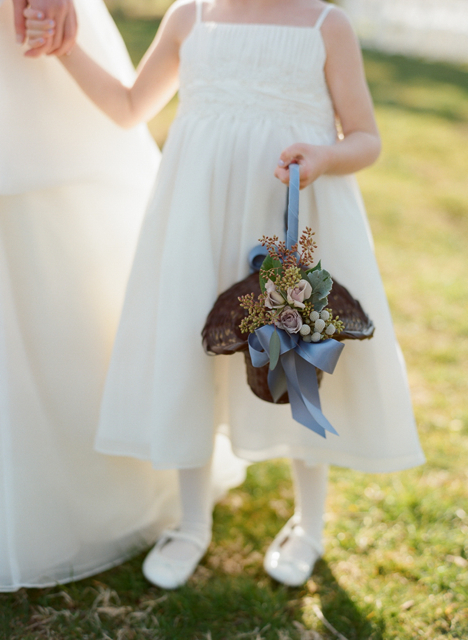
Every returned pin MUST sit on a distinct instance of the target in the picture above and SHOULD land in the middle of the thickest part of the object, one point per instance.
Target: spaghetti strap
(322, 16)
(199, 9)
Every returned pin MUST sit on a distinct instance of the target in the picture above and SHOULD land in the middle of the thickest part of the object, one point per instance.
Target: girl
(258, 80)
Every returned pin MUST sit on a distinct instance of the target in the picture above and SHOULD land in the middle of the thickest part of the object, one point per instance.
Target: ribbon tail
(310, 392)
(304, 399)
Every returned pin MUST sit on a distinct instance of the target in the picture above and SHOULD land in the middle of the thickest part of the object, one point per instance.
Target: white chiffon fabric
(247, 91)
(73, 188)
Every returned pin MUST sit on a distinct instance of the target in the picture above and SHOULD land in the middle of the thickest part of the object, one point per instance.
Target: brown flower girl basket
(222, 336)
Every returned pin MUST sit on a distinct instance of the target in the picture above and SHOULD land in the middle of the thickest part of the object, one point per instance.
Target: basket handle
(292, 231)
(258, 254)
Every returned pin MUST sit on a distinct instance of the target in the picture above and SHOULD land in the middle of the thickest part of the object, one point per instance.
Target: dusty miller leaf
(318, 267)
(321, 283)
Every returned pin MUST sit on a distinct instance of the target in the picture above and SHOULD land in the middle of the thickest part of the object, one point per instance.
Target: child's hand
(39, 31)
(313, 161)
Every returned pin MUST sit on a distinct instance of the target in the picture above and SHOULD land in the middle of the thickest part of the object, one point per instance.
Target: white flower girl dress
(247, 91)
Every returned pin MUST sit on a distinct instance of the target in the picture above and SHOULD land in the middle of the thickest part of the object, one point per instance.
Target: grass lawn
(396, 561)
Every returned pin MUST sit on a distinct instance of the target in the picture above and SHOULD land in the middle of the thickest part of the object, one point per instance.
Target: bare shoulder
(337, 24)
(180, 18)
(338, 32)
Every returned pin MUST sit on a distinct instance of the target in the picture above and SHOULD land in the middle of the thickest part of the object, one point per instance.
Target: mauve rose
(296, 295)
(273, 300)
(290, 320)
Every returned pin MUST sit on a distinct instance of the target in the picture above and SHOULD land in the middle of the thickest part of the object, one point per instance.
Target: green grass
(396, 561)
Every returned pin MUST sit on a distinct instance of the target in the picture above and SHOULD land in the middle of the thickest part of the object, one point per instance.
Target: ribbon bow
(295, 372)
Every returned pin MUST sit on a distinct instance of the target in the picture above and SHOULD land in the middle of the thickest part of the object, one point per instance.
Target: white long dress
(73, 188)
(247, 91)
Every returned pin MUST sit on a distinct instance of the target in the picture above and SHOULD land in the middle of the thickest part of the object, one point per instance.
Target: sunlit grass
(396, 561)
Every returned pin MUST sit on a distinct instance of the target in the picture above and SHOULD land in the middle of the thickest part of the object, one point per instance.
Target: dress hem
(311, 458)
(78, 576)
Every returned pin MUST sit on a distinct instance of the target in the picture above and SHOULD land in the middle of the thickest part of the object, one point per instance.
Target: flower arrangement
(294, 294)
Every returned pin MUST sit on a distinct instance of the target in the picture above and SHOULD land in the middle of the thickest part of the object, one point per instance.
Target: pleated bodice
(256, 72)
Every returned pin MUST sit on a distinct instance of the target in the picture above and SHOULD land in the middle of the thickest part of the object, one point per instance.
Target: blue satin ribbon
(256, 257)
(295, 373)
(292, 232)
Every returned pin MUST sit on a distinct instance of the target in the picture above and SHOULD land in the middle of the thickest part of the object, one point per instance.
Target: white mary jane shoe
(285, 568)
(169, 573)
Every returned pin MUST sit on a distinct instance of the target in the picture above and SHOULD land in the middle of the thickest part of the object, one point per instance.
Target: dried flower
(273, 299)
(300, 292)
(290, 320)
(308, 246)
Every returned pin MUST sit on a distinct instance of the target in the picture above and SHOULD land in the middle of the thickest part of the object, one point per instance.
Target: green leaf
(321, 283)
(267, 264)
(275, 349)
(318, 267)
(320, 304)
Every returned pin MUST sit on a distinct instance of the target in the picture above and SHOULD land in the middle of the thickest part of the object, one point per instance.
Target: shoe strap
(176, 534)
(293, 528)
(299, 532)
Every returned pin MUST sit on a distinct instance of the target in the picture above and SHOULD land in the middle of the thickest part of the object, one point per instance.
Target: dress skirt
(211, 204)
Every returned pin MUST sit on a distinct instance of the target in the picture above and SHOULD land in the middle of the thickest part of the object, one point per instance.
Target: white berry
(305, 330)
(307, 338)
(314, 316)
(316, 337)
(325, 315)
(330, 330)
(319, 325)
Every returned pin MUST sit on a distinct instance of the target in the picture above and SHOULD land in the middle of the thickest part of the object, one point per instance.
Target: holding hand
(50, 24)
(313, 161)
(40, 31)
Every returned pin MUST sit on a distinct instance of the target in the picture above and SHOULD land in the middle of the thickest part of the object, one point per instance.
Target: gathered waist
(257, 105)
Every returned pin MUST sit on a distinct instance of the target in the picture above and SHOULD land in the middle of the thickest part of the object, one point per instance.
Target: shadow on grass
(212, 605)
(348, 618)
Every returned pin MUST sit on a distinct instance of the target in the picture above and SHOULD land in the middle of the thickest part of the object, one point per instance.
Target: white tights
(197, 507)
(310, 491)
(310, 487)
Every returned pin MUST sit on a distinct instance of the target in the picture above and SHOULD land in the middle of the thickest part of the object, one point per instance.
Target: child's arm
(346, 81)
(157, 78)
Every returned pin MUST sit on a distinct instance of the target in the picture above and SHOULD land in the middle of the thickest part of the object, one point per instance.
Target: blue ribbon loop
(295, 372)
(256, 257)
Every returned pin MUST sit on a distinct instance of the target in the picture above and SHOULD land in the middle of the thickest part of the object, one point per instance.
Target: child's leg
(310, 492)
(292, 555)
(197, 519)
(177, 553)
